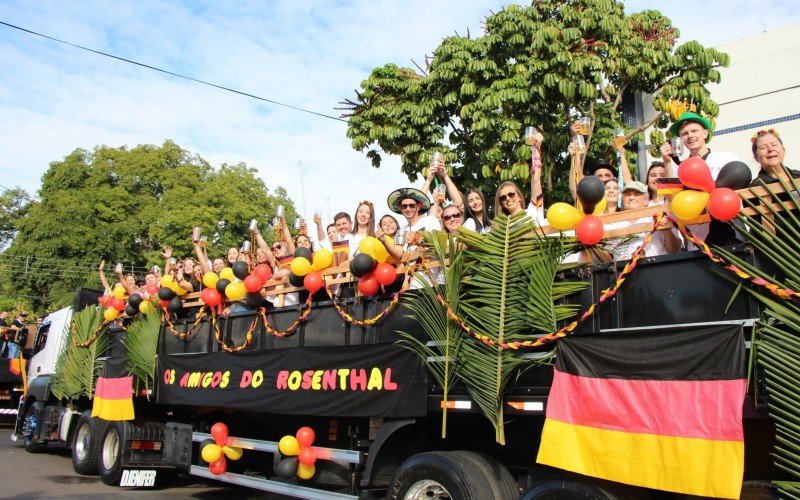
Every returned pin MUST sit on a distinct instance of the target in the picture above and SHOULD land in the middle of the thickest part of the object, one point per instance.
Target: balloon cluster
(370, 266)
(588, 228)
(235, 283)
(115, 303)
(720, 197)
(215, 450)
(299, 455)
(306, 268)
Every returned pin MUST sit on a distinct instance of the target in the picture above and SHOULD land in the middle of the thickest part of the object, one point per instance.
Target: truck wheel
(86, 443)
(30, 429)
(111, 451)
(499, 478)
(439, 475)
(576, 487)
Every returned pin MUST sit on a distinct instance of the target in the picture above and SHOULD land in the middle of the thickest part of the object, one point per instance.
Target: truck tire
(566, 486)
(501, 481)
(86, 443)
(439, 474)
(111, 449)
(30, 428)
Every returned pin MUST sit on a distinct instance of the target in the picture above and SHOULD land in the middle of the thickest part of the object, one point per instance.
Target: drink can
(118, 268)
(253, 225)
(246, 246)
(677, 146)
(196, 233)
(280, 211)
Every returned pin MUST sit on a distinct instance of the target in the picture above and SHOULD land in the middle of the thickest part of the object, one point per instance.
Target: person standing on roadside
(18, 335)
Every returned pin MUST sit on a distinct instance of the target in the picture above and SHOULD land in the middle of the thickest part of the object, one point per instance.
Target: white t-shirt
(426, 223)
(470, 224)
(623, 247)
(353, 240)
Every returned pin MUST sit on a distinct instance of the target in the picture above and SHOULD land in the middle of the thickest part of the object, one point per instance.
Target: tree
(534, 65)
(14, 205)
(123, 206)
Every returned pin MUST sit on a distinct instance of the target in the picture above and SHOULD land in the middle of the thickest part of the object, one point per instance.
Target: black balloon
(590, 192)
(303, 252)
(134, 300)
(165, 293)
(175, 304)
(296, 280)
(240, 269)
(287, 467)
(734, 175)
(362, 264)
(221, 284)
(130, 310)
(253, 299)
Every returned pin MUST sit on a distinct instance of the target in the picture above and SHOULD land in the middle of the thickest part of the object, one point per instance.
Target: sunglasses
(508, 196)
(447, 218)
(277, 247)
(403, 206)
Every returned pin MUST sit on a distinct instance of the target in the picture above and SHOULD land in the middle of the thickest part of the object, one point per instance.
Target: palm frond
(141, 343)
(77, 368)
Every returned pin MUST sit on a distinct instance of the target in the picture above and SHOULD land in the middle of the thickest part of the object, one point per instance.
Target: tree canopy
(534, 65)
(124, 205)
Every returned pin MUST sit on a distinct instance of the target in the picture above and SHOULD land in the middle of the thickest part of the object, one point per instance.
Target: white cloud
(55, 98)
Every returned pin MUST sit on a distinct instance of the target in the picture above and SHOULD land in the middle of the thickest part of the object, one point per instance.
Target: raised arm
(103, 280)
(264, 247)
(452, 190)
(432, 171)
(623, 165)
(575, 170)
(320, 231)
(202, 257)
(287, 235)
(536, 172)
(666, 157)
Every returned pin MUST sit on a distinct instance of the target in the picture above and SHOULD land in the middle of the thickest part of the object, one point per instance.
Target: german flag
(668, 186)
(113, 393)
(341, 251)
(16, 365)
(285, 262)
(658, 410)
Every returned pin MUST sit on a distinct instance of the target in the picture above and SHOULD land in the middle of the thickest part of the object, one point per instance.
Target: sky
(310, 54)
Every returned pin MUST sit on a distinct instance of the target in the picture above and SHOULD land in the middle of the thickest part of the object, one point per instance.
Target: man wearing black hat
(411, 203)
(18, 335)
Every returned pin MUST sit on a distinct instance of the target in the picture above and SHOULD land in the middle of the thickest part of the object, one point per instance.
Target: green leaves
(141, 342)
(77, 368)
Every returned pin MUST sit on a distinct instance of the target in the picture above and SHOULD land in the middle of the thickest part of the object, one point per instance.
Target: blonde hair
(498, 207)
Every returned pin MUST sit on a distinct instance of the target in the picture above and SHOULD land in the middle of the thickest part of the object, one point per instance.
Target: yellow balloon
(563, 216)
(300, 266)
(369, 246)
(167, 280)
(601, 207)
(232, 452)
(210, 279)
(322, 258)
(306, 471)
(145, 307)
(381, 254)
(119, 292)
(235, 290)
(689, 203)
(211, 452)
(227, 274)
(110, 314)
(289, 446)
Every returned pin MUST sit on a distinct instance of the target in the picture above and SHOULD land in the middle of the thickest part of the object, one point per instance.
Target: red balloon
(313, 281)
(152, 288)
(307, 456)
(385, 274)
(590, 230)
(694, 173)
(103, 300)
(117, 304)
(305, 437)
(219, 467)
(724, 204)
(367, 285)
(211, 297)
(164, 304)
(219, 432)
(263, 271)
(252, 283)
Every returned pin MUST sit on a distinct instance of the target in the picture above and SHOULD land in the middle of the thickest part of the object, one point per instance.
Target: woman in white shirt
(476, 216)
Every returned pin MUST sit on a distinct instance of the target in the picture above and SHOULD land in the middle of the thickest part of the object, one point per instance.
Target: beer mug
(579, 143)
(173, 261)
(298, 223)
(156, 269)
(400, 238)
(203, 241)
(619, 137)
(677, 146)
(118, 268)
(530, 135)
(584, 124)
(439, 192)
(280, 211)
(246, 246)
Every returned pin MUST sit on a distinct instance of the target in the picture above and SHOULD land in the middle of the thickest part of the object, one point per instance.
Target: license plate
(138, 478)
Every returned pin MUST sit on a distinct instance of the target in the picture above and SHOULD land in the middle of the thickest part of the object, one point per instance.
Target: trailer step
(353, 457)
(269, 485)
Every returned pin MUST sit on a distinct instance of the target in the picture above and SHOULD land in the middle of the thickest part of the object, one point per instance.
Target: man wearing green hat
(695, 131)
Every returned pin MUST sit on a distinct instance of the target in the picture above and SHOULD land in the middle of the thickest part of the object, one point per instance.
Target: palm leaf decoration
(775, 234)
(77, 368)
(443, 352)
(141, 342)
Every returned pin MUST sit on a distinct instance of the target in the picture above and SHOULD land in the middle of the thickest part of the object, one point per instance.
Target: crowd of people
(14, 335)
(440, 205)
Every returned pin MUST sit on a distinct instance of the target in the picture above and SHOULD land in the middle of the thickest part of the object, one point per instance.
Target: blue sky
(311, 54)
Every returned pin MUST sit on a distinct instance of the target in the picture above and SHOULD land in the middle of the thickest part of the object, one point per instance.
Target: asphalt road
(50, 475)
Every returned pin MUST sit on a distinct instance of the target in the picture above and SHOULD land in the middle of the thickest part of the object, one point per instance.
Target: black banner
(371, 381)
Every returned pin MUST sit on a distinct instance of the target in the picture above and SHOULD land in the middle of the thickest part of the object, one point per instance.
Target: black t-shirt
(21, 335)
(3, 333)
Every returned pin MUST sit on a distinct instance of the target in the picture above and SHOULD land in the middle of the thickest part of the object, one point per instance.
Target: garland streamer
(371, 321)
(784, 293)
(183, 336)
(304, 314)
(226, 347)
(94, 336)
(568, 329)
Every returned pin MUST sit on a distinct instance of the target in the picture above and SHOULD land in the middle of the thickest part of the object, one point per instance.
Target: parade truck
(502, 373)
